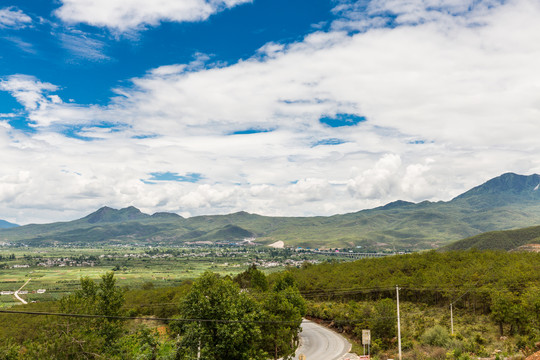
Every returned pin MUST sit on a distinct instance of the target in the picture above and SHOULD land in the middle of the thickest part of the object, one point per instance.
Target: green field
(133, 266)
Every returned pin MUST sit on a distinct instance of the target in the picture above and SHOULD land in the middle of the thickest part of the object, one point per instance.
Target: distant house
(6, 292)
(20, 266)
(41, 291)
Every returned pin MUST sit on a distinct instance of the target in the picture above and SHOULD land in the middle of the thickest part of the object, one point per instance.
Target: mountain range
(6, 225)
(509, 201)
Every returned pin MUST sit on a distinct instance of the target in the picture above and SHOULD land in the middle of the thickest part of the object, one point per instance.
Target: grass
(166, 267)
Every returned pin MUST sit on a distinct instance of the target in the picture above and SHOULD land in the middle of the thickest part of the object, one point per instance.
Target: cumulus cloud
(378, 182)
(13, 18)
(421, 80)
(446, 105)
(129, 15)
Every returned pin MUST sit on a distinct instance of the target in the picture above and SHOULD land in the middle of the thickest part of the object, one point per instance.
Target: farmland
(58, 270)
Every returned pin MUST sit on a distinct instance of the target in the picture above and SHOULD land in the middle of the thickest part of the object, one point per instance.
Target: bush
(436, 336)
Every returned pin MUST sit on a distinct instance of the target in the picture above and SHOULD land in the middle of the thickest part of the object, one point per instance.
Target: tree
(109, 301)
(383, 323)
(283, 308)
(252, 278)
(98, 334)
(507, 309)
(226, 328)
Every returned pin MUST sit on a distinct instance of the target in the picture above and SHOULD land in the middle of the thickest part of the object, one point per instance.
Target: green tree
(283, 308)
(531, 302)
(252, 278)
(98, 334)
(383, 324)
(227, 327)
(109, 301)
(506, 308)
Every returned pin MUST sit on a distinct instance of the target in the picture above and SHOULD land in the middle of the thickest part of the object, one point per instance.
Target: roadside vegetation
(495, 297)
(255, 313)
(215, 317)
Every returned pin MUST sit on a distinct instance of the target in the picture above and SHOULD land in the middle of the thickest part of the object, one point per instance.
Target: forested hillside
(499, 240)
(495, 297)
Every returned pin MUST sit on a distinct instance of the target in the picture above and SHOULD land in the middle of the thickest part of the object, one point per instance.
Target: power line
(111, 317)
(339, 321)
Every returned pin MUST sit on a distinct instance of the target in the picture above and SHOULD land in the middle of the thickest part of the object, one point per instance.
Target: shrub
(436, 336)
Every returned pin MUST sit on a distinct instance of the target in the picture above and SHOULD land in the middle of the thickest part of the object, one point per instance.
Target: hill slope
(507, 202)
(6, 225)
(499, 240)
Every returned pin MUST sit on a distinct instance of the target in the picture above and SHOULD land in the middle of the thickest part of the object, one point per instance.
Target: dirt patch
(278, 245)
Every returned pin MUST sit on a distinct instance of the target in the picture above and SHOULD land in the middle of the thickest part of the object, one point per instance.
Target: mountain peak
(165, 215)
(507, 188)
(107, 214)
(396, 204)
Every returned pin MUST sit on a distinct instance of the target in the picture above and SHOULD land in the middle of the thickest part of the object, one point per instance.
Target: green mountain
(499, 240)
(509, 201)
(6, 225)
(108, 215)
(502, 191)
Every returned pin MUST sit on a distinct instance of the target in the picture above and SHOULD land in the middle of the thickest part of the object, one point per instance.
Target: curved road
(320, 343)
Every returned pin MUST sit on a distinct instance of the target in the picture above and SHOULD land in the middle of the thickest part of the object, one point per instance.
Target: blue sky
(275, 107)
(90, 61)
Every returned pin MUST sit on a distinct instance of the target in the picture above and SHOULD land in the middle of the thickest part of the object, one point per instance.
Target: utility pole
(199, 347)
(451, 320)
(398, 322)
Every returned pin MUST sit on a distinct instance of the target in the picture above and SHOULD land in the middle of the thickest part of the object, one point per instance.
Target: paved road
(320, 343)
(17, 293)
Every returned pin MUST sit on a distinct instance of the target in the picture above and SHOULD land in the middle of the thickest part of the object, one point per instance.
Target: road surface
(320, 343)
(17, 293)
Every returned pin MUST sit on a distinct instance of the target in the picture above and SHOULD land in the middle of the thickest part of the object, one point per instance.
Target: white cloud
(362, 15)
(83, 46)
(378, 182)
(129, 15)
(13, 18)
(21, 44)
(28, 90)
(448, 106)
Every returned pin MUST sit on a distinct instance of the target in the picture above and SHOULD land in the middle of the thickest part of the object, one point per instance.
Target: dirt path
(17, 293)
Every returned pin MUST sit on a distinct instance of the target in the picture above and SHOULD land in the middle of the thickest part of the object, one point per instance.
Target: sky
(274, 107)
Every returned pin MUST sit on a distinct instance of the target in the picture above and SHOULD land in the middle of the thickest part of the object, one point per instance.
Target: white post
(451, 320)
(199, 347)
(398, 322)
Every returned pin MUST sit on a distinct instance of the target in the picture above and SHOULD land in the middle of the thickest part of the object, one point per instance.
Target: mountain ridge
(508, 188)
(107, 214)
(6, 224)
(506, 202)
